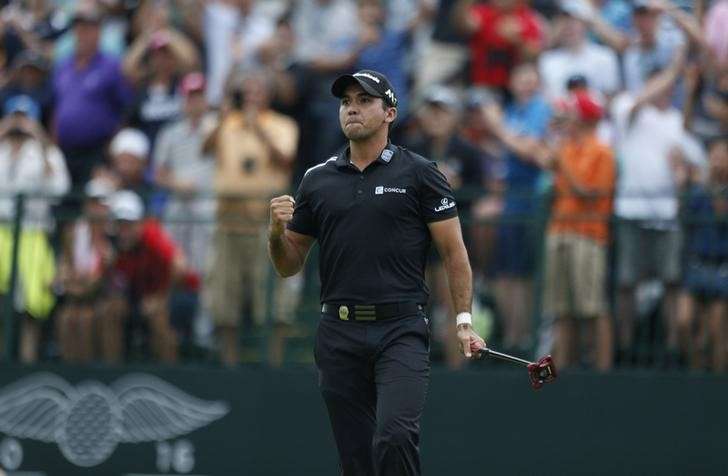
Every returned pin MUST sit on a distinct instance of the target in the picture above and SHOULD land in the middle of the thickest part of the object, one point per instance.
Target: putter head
(542, 371)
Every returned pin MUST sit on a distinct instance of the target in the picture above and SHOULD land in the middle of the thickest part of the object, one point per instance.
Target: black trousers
(374, 377)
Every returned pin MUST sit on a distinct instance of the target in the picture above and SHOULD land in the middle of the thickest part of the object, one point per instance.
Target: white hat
(130, 141)
(126, 205)
(99, 187)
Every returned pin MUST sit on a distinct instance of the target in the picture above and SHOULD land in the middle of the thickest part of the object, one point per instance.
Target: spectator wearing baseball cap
(147, 261)
(29, 164)
(578, 235)
(22, 104)
(29, 76)
(184, 169)
(129, 153)
(91, 97)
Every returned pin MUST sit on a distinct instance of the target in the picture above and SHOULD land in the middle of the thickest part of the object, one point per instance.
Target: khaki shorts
(242, 278)
(575, 274)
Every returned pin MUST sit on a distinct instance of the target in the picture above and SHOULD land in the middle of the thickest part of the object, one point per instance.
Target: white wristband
(464, 318)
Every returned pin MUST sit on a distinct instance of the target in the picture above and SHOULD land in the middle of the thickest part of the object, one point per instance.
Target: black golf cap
(374, 83)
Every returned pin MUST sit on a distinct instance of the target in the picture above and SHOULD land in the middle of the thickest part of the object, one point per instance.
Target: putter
(540, 372)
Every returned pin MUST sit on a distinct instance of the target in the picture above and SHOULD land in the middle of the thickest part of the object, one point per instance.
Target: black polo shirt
(372, 225)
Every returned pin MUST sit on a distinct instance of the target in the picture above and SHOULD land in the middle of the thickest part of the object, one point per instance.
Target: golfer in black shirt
(374, 210)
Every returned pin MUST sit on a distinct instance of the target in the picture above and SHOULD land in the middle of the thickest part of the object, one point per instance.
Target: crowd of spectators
(586, 141)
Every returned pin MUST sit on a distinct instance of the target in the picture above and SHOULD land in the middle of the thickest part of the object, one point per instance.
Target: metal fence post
(10, 333)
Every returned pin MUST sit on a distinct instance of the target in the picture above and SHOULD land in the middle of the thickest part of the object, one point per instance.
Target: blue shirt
(522, 178)
(90, 102)
(707, 237)
(387, 56)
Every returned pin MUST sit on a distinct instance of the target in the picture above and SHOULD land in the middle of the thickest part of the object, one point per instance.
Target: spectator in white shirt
(649, 141)
(31, 165)
(188, 173)
(577, 55)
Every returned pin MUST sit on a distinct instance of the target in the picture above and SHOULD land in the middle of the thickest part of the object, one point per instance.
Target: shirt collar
(385, 157)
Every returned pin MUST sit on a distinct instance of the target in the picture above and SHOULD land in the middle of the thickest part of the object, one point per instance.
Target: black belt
(370, 312)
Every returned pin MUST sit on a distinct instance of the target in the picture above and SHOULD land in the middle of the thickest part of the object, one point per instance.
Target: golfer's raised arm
(287, 249)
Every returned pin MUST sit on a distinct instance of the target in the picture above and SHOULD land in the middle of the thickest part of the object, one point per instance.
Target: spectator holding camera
(29, 164)
(82, 328)
(578, 234)
(254, 148)
(146, 265)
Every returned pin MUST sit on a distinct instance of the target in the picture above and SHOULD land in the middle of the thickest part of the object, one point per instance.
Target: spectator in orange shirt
(576, 244)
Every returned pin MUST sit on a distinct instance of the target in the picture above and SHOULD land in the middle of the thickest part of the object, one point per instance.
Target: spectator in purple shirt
(91, 95)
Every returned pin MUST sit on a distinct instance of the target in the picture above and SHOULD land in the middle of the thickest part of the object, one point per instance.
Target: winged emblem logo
(89, 420)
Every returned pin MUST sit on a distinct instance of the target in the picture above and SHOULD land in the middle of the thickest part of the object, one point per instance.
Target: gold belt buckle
(343, 313)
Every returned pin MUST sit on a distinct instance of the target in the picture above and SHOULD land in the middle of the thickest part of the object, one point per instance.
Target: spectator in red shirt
(503, 33)
(147, 262)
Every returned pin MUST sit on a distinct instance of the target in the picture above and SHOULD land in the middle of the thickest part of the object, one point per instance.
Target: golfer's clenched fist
(281, 212)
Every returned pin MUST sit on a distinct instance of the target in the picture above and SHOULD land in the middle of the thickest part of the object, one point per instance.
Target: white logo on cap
(390, 95)
(367, 75)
